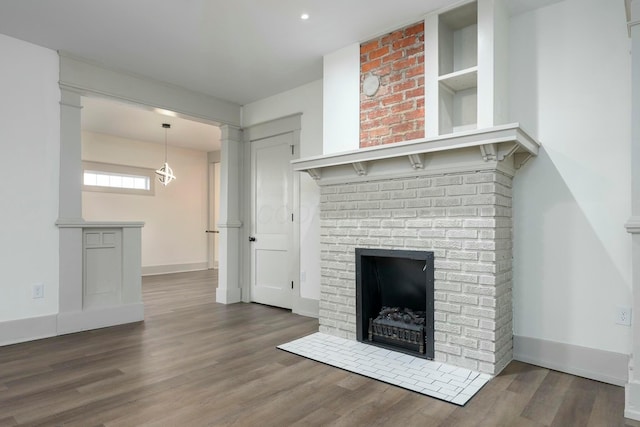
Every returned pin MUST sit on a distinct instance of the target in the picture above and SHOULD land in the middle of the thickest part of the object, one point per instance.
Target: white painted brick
(392, 223)
(331, 189)
(462, 320)
(449, 308)
(369, 205)
(405, 194)
(463, 255)
(404, 232)
(368, 187)
(479, 355)
(392, 204)
(462, 234)
(439, 317)
(479, 312)
(462, 211)
(479, 223)
(447, 327)
(459, 277)
(439, 296)
(447, 286)
(460, 190)
(447, 223)
(392, 185)
(356, 197)
(463, 299)
(462, 341)
(479, 177)
(431, 192)
(480, 334)
(479, 268)
(449, 349)
(347, 189)
(479, 200)
(418, 223)
(404, 213)
(418, 203)
(431, 233)
(431, 212)
(440, 336)
(418, 243)
(447, 244)
(446, 265)
(418, 183)
(379, 214)
(447, 180)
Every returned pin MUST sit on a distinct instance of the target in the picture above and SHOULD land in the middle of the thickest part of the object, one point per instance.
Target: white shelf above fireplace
(505, 147)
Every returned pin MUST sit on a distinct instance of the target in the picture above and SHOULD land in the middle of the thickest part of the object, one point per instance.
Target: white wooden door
(271, 232)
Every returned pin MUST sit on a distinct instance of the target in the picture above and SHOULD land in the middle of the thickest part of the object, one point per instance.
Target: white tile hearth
(434, 379)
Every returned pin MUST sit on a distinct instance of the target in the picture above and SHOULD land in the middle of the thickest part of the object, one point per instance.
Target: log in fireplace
(395, 300)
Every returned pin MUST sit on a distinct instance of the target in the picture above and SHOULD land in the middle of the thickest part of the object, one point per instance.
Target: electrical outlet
(38, 290)
(623, 316)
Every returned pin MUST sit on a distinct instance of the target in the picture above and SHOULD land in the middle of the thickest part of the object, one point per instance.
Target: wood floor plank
(194, 362)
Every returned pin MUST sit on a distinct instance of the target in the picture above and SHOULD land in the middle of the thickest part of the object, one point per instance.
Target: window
(105, 177)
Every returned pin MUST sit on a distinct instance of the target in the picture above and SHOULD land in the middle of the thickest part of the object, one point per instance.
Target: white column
(230, 224)
(632, 389)
(70, 208)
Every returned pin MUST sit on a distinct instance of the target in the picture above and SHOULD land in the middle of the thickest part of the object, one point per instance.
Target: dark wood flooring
(197, 363)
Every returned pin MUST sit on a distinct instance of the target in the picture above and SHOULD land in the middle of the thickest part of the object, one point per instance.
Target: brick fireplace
(450, 195)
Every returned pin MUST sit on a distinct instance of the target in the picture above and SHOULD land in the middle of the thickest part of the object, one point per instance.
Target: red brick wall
(396, 112)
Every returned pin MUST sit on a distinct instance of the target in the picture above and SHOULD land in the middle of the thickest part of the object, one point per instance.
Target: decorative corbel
(316, 174)
(488, 152)
(416, 161)
(360, 168)
(519, 159)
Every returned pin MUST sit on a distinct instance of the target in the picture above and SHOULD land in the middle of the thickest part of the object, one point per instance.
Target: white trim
(306, 307)
(29, 329)
(99, 318)
(88, 78)
(152, 270)
(595, 364)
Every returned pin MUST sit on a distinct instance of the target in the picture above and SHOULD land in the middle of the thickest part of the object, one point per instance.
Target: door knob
(252, 239)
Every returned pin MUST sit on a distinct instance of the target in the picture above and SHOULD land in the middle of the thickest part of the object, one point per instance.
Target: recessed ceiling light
(304, 16)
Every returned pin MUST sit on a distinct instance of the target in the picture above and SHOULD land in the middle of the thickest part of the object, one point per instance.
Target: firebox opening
(394, 300)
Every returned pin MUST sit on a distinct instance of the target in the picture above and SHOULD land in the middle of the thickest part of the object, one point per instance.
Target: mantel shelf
(493, 145)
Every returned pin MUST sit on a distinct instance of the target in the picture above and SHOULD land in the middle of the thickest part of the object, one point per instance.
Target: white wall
(30, 142)
(570, 86)
(306, 99)
(175, 218)
(341, 87)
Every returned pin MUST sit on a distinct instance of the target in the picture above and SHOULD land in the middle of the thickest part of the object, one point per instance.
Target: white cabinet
(465, 67)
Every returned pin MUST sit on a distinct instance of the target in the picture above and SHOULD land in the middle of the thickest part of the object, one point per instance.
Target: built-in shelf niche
(465, 81)
(458, 69)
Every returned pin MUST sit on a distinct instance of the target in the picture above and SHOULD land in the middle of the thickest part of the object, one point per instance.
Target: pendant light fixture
(165, 173)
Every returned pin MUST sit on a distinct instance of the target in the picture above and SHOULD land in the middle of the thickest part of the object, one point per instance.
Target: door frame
(288, 124)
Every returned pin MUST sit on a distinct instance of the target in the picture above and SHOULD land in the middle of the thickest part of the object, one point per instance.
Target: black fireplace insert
(394, 300)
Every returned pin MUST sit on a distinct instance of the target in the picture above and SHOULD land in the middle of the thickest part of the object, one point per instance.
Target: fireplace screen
(394, 300)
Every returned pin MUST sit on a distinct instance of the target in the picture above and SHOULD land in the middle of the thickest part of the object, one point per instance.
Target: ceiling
(237, 50)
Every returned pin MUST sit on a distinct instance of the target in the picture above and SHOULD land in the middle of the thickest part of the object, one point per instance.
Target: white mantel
(505, 147)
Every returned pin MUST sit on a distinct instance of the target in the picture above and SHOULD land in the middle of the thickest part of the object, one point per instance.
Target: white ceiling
(144, 124)
(238, 50)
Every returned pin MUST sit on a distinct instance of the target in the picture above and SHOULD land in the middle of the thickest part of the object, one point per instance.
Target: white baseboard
(306, 307)
(22, 330)
(152, 270)
(599, 365)
(99, 318)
